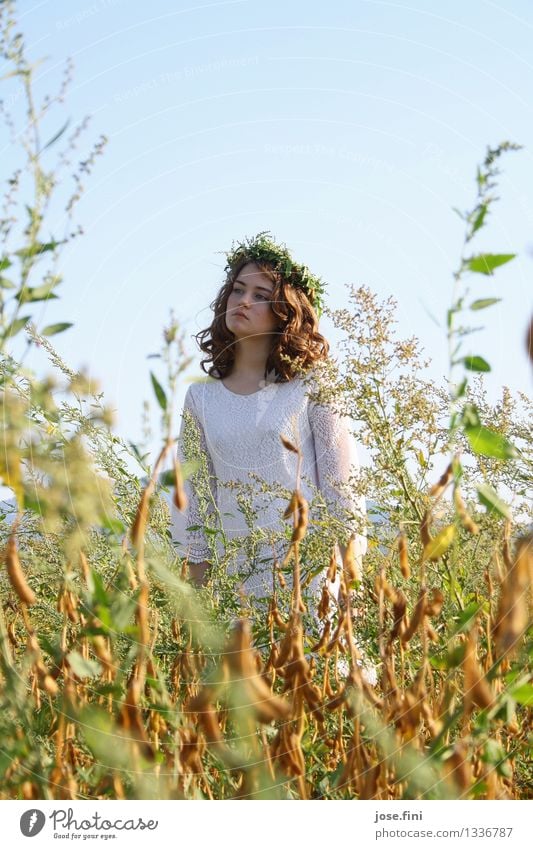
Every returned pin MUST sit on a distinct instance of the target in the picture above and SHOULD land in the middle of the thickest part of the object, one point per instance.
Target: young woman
(265, 321)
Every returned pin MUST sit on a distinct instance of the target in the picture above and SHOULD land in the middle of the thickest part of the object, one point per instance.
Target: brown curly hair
(298, 336)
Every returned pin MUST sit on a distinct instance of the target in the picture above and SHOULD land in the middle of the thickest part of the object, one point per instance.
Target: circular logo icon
(32, 822)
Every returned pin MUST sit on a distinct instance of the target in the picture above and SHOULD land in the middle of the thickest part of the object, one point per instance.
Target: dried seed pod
(424, 528)
(465, 517)
(512, 616)
(418, 616)
(71, 606)
(12, 635)
(459, 768)
(101, 651)
(301, 518)
(332, 568)
(15, 573)
(439, 487)
(324, 637)
(404, 556)
(399, 608)
(477, 688)
(434, 603)
(292, 506)
(432, 634)
(141, 516)
(289, 445)
(142, 615)
(276, 616)
(350, 563)
(180, 496)
(323, 605)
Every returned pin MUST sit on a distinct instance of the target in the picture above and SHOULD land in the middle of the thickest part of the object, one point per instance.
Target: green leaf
(52, 329)
(486, 263)
(478, 222)
(39, 293)
(159, 392)
(57, 136)
(83, 667)
(470, 416)
(487, 442)
(483, 303)
(491, 500)
(523, 694)
(466, 618)
(97, 588)
(438, 546)
(36, 249)
(460, 390)
(13, 328)
(122, 612)
(450, 660)
(5, 262)
(6, 284)
(476, 364)
(103, 738)
(113, 525)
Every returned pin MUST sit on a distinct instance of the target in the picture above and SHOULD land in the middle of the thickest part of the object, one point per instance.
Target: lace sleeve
(336, 460)
(200, 487)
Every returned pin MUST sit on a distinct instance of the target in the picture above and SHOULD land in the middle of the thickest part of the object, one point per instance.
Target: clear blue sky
(348, 129)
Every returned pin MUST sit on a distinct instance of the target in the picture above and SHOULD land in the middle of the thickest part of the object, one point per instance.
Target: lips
(241, 314)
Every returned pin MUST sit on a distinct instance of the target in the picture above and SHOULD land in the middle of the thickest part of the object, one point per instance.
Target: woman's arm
(336, 461)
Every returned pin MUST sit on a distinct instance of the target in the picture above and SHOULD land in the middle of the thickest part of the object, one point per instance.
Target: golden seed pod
(332, 568)
(141, 517)
(12, 634)
(180, 496)
(435, 602)
(292, 506)
(350, 562)
(101, 650)
(465, 517)
(418, 616)
(512, 616)
(323, 641)
(289, 445)
(439, 487)
(477, 688)
(424, 528)
(301, 518)
(47, 683)
(323, 605)
(142, 615)
(15, 573)
(404, 556)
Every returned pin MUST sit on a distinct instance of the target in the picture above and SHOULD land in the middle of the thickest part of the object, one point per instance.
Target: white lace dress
(240, 438)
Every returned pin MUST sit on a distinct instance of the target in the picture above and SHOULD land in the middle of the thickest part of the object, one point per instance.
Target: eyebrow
(257, 287)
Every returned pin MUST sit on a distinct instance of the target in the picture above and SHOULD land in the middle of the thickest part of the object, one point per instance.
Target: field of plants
(119, 679)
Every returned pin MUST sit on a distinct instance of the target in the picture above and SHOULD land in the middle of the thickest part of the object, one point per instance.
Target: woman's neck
(250, 361)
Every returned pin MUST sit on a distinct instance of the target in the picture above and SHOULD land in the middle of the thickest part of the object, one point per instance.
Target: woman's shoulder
(198, 387)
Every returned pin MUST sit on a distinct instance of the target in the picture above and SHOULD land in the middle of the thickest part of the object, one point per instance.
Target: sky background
(347, 129)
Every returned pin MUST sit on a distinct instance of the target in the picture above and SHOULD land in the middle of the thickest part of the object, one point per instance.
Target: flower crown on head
(263, 248)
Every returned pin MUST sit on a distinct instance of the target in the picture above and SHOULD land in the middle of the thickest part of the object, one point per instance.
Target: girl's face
(248, 310)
